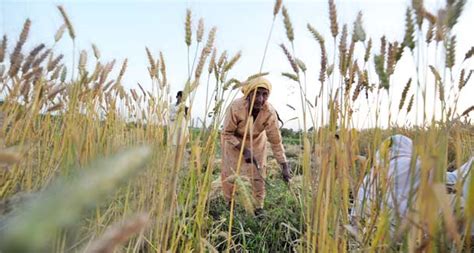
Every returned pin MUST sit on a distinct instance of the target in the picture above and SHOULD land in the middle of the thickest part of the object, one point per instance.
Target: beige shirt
(265, 127)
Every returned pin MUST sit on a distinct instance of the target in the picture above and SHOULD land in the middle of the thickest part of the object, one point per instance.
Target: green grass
(278, 230)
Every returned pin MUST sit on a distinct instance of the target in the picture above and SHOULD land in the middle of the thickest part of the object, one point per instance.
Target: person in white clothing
(395, 178)
(178, 130)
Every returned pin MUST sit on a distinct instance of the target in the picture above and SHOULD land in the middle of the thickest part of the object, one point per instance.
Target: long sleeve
(462, 172)
(230, 127)
(274, 137)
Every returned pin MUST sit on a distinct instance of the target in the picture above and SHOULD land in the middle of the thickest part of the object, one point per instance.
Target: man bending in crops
(250, 121)
(395, 179)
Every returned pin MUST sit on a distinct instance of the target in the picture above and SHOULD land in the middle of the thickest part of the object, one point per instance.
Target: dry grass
(53, 127)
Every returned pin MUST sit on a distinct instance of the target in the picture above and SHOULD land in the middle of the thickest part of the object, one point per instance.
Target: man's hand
(247, 156)
(285, 172)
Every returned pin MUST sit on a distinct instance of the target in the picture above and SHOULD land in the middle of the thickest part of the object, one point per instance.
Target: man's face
(261, 97)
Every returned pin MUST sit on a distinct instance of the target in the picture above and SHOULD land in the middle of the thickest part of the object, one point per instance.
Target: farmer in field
(178, 128)
(401, 171)
(252, 117)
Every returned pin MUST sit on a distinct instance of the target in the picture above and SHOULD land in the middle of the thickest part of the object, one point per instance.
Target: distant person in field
(178, 128)
(259, 124)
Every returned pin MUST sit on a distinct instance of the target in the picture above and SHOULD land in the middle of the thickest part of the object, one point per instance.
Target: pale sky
(122, 29)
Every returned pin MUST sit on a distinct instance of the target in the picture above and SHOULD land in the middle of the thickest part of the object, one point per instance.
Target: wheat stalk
(201, 62)
(430, 33)
(342, 50)
(96, 51)
(210, 40)
(367, 51)
(118, 234)
(276, 7)
(410, 103)
(222, 59)
(56, 72)
(419, 12)
(82, 60)
(432, 19)
(435, 73)
(408, 40)
(55, 107)
(16, 56)
(107, 69)
(468, 55)
(3, 48)
(359, 32)
(205, 52)
(257, 75)
(324, 62)
(354, 68)
(37, 77)
(63, 74)
(464, 82)
(52, 64)
(15, 66)
(468, 110)
(41, 58)
(440, 26)
(292, 62)
(361, 83)
(134, 95)
(59, 33)
(212, 61)
(200, 30)
(454, 10)
(187, 28)
(383, 48)
(141, 89)
(57, 201)
(9, 157)
(291, 76)
(301, 64)
(392, 57)
(350, 55)
(234, 81)
(320, 39)
(404, 94)
(379, 61)
(164, 80)
(58, 89)
(27, 76)
(450, 58)
(153, 67)
(25, 89)
(333, 18)
(231, 62)
(244, 195)
(67, 21)
(288, 26)
(31, 56)
(97, 70)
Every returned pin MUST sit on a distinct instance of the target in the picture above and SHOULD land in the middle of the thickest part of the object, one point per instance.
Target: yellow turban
(256, 83)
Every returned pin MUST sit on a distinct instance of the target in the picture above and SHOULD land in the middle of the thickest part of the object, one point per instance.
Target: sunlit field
(86, 164)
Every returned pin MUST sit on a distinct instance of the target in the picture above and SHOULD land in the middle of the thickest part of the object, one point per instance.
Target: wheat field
(86, 164)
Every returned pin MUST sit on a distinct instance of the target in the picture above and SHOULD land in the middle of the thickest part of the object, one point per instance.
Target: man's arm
(228, 134)
(230, 127)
